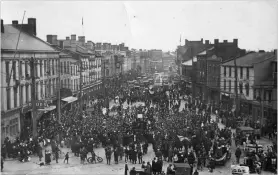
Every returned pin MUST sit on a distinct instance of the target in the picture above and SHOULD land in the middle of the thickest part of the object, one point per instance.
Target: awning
(69, 99)
(49, 108)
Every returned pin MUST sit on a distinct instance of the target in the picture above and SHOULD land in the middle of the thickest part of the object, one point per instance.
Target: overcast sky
(155, 24)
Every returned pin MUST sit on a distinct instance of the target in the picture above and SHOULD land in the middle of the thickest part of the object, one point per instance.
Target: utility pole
(81, 84)
(236, 91)
(59, 92)
(33, 97)
(104, 81)
(262, 111)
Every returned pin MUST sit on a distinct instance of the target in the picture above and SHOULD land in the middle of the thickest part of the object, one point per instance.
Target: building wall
(244, 80)
(18, 95)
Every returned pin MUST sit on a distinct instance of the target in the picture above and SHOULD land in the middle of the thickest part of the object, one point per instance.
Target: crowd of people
(126, 130)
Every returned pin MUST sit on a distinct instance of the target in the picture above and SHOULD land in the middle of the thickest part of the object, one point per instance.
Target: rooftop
(26, 42)
(250, 59)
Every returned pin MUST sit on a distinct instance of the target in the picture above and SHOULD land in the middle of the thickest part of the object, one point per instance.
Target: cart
(182, 169)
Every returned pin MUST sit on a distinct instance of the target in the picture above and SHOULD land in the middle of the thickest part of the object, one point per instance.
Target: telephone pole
(236, 91)
(81, 84)
(262, 111)
(59, 92)
(33, 97)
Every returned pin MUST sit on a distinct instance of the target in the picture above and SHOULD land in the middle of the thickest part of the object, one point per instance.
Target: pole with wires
(236, 92)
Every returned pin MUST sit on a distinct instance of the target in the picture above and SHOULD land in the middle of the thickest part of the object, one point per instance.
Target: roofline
(22, 31)
(29, 51)
(251, 65)
(272, 56)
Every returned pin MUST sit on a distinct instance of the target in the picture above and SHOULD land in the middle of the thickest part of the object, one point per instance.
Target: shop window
(241, 72)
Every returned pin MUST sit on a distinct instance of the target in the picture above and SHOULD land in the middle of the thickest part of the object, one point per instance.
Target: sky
(153, 24)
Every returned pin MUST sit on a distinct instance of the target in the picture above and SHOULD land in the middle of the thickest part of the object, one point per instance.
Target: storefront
(10, 124)
(226, 101)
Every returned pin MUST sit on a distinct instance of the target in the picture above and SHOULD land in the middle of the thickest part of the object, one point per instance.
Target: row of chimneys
(30, 27)
(216, 41)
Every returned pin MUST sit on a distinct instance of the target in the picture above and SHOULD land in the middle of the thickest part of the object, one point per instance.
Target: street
(74, 167)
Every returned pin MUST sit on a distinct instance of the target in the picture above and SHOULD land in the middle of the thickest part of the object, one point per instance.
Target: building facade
(16, 76)
(253, 70)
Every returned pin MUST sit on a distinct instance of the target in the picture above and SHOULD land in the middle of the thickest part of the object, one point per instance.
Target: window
(241, 72)
(254, 94)
(15, 97)
(269, 96)
(230, 71)
(45, 66)
(65, 67)
(53, 67)
(247, 89)
(41, 71)
(26, 69)
(7, 70)
(14, 126)
(8, 98)
(230, 85)
(240, 88)
(265, 95)
(14, 70)
(20, 69)
(21, 95)
(37, 91)
(27, 93)
(247, 72)
(57, 66)
(42, 95)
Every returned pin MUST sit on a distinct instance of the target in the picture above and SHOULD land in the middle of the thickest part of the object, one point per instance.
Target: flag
(82, 21)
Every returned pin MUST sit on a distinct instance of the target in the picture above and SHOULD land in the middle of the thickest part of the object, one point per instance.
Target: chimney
(14, 22)
(225, 41)
(2, 26)
(207, 42)
(235, 42)
(216, 41)
(54, 40)
(32, 23)
(61, 44)
(275, 53)
(73, 37)
(202, 40)
(49, 39)
(81, 39)
(67, 38)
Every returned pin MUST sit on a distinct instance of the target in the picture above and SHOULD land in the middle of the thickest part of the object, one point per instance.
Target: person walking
(2, 163)
(238, 154)
(126, 168)
(66, 157)
(140, 155)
